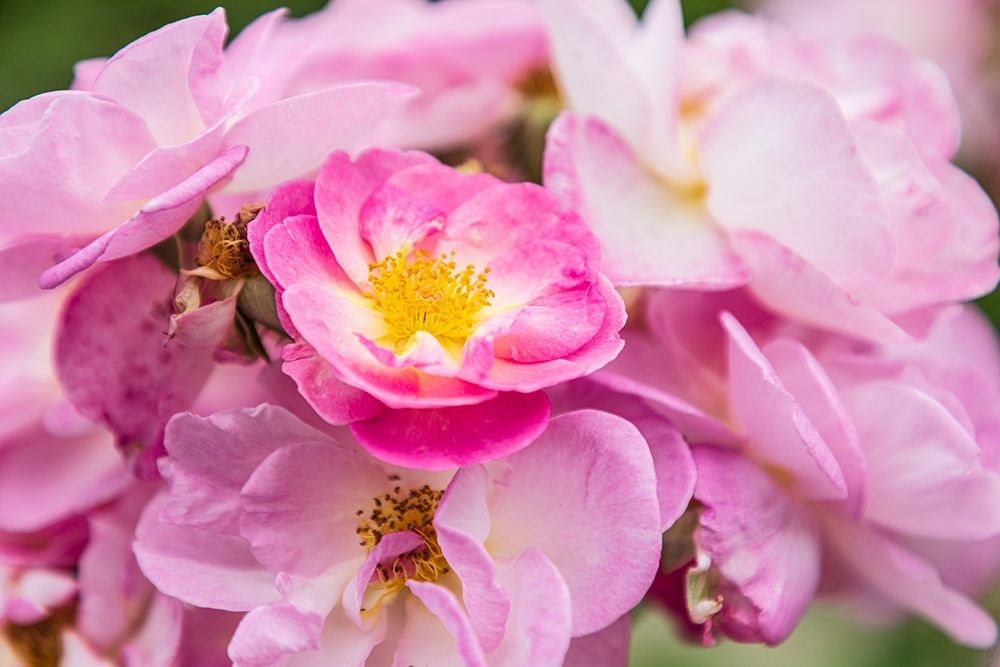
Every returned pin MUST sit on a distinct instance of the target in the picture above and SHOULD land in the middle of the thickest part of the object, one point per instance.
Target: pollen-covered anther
(416, 292)
(404, 510)
(224, 247)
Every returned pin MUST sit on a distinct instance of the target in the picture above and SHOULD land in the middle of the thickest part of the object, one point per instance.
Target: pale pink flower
(466, 57)
(958, 36)
(430, 307)
(335, 555)
(102, 173)
(743, 154)
(832, 457)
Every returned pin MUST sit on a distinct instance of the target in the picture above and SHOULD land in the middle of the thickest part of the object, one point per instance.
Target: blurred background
(39, 42)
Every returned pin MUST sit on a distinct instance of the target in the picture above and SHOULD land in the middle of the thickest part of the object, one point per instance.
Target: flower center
(40, 644)
(224, 248)
(416, 292)
(411, 510)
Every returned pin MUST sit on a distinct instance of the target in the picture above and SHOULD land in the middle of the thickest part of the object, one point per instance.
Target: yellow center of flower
(411, 510)
(416, 292)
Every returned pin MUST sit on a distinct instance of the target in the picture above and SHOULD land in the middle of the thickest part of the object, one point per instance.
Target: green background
(39, 42)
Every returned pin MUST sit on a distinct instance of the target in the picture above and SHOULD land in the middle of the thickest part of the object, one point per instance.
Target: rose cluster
(429, 334)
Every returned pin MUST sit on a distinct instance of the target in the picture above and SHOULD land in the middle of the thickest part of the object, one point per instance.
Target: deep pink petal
(440, 438)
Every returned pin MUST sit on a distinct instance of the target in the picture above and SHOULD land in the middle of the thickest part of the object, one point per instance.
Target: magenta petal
(436, 439)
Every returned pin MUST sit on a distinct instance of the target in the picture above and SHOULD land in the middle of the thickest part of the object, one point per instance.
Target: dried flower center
(416, 292)
(40, 644)
(224, 247)
(411, 510)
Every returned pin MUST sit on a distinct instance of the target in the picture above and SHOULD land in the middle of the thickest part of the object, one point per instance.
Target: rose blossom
(120, 164)
(821, 457)
(331, 551)
(429, 307)
(744, 154)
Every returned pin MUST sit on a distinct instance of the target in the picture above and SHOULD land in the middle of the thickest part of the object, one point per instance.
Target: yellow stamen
(416, 292)
(412, 510)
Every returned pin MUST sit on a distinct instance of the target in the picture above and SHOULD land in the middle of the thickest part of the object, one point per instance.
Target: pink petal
(601, 462)
(392, 219)
(608, 647)
(211, 458)
(790, 285)
(605, 68)
(268, 634)
(822, 201)
(924, 473)
(333, 399)
(166, 77)
(675, 473)
(279, 148)
(112, 359)
(285, 201)
(805, 379)
(778, 430)
(911, 582)
(159, 218)
(87, 471)
(440, 602)
(440, 438)
(342, 187)
(113, 592)
(600, 349)
(200, 567)
(462, 522)
(651, 235)
(299, 506)
(765, 546)
(22, 263)
(541, 620)
(64, 196)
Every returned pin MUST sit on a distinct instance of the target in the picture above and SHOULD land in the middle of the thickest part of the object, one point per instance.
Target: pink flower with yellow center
(429, 307)
(340, 559)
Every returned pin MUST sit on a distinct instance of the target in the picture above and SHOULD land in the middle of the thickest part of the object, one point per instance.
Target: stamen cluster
(416, 292)
(409, 510)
